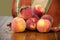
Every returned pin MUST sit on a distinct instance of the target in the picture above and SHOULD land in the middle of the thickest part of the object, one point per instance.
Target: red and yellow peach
(18, 24)
(43, 25)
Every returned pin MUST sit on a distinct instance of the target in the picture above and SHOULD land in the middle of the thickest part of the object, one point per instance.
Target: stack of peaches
(32, 18)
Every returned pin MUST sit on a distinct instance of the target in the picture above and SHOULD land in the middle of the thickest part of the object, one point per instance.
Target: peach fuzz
(39, 10)
(43, 25)
(18, 24)
(25, 13)
(32, 22)
(48, 17)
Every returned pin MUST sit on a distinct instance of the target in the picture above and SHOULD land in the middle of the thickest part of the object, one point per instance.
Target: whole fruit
(38, 10)
(18, 24)
(48, 17)
(44, 25)
(25, 12)
(32, 22)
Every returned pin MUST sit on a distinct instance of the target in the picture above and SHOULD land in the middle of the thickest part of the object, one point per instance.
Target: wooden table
(7, 34)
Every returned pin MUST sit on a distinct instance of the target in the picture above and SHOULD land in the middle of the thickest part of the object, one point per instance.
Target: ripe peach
(43, 25)
(38, 10)
(48, 17)
(32, 22)
(18, 24)
(26, 12)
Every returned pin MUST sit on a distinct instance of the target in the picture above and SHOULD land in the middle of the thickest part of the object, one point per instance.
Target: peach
(48, 17)
(38, 10)
(43, 25)
(18, 24)
(25, 12)
(31, 22)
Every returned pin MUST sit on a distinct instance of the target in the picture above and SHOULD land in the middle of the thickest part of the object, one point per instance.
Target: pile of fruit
(32, 18)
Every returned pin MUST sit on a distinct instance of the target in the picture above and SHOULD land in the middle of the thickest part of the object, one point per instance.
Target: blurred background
(5, 7)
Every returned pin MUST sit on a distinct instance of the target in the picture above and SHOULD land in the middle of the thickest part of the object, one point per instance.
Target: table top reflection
(33, 36)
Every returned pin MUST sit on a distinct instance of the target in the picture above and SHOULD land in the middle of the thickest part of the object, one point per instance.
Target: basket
(16, 4)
